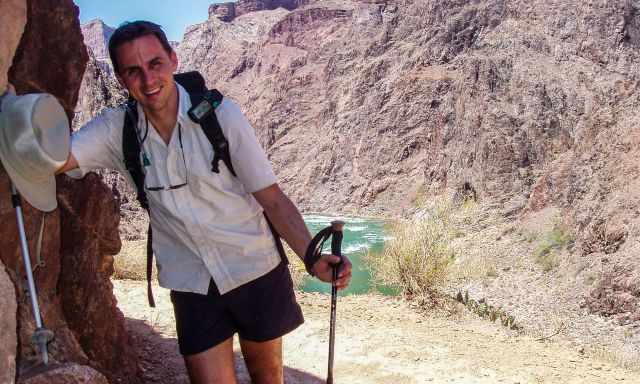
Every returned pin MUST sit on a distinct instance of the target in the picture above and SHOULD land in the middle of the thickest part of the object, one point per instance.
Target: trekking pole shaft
(336, 245)
(25, 256)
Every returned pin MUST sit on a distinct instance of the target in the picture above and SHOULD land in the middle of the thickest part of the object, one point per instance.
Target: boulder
(65, 374)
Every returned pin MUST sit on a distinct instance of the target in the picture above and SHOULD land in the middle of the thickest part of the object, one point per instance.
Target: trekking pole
(42, 336)
(336, 244)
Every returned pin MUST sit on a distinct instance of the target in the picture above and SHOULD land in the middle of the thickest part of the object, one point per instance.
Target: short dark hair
(131, 30)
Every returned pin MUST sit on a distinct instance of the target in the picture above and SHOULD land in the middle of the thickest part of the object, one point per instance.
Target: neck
(164, 119)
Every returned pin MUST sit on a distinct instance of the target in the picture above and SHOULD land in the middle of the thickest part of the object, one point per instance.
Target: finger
(331, 259)
(345, 268)
(343, 282)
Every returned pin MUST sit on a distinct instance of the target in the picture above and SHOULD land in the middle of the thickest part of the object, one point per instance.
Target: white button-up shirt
(212, 227)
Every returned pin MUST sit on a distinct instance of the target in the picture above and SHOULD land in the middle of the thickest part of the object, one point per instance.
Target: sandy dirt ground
(378, 340)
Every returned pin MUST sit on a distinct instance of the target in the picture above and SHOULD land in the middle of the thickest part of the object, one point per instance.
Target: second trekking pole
(336, 245)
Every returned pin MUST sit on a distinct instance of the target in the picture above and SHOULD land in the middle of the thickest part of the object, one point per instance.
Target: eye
(131, 72)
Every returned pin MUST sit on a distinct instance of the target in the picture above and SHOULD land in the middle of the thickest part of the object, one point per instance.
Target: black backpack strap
(212, 130)
(192, 82)
(131, 151)
(152, 302)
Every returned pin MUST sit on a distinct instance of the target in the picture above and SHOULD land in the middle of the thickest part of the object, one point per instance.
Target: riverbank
(379, 340)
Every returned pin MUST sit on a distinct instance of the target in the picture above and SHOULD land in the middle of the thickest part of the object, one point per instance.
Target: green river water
(360, 235)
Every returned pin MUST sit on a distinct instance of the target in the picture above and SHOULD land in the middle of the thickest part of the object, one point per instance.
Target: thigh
(264, 360)
(213, 366)
(202, 321)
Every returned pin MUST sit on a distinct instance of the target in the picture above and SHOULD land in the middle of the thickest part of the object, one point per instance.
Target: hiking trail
(378, 340)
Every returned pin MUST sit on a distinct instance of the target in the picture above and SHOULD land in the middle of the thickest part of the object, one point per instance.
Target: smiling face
(146, 69)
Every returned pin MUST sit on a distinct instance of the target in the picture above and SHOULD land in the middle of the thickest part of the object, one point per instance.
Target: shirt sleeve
(248, 158)
(98, 143)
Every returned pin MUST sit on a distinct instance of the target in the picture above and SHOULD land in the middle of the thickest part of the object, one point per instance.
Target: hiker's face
(146, 70)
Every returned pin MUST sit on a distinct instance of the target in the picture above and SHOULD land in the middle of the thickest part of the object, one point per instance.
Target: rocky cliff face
(73, 284)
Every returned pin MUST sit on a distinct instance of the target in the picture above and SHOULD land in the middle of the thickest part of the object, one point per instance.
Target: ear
(174, 60)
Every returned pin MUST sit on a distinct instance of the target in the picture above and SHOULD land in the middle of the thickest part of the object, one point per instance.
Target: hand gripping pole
(312, 255)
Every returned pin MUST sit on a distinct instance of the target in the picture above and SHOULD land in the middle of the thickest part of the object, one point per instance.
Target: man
(213, 246)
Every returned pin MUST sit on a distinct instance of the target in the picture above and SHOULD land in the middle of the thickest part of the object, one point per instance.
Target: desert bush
(415, 261)
(558, 238)
(131, 262)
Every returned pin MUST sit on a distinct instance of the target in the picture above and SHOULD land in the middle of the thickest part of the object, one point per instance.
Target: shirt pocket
(205, 179)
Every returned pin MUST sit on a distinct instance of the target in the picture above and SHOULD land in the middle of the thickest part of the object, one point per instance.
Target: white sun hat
(34, 143)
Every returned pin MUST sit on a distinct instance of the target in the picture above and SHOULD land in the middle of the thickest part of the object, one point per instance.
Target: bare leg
(264, 360)
(213, 366)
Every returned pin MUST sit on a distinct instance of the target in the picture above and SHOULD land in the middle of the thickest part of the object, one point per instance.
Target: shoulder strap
(212, 130)
(131, 151)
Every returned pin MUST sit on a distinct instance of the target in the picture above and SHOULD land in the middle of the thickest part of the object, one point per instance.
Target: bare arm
(285, 218)
(288, 221)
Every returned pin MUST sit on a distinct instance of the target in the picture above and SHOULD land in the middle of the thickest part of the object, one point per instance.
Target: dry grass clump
(416, 260)
(296, 266)
(131, 262)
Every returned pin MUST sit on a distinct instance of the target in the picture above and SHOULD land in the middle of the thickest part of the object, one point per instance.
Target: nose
(147, 77)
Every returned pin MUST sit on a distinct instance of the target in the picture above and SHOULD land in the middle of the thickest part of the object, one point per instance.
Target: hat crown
(35, 134)
(34, 143)
(51, 134)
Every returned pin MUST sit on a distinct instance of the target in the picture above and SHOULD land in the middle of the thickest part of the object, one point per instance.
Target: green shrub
(557, 239)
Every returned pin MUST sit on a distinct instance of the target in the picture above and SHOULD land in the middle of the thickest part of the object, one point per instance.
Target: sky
(173, 15)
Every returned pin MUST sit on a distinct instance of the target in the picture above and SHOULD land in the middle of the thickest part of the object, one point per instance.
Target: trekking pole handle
(336, 242)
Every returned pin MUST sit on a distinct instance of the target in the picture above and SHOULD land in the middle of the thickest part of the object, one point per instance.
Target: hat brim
(41, 195)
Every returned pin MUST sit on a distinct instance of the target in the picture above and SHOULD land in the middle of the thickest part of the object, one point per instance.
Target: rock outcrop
(96, 36)
(74, 291)
(66, 374)
(99, 89)
(227, 12)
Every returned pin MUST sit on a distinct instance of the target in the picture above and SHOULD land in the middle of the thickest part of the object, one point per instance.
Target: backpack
(204, 102)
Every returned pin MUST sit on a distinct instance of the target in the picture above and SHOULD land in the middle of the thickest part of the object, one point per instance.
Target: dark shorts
(261, 310)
